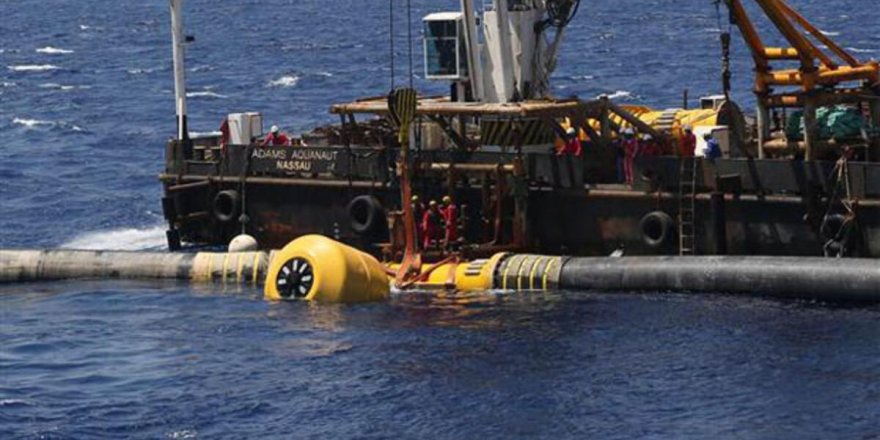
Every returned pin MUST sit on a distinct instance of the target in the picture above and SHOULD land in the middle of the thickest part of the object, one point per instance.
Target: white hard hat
(628, 131)
(571, 131)
(274, 129)
(687, 127)
(648, 137)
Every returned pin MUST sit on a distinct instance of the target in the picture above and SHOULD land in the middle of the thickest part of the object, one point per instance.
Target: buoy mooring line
(318, 268)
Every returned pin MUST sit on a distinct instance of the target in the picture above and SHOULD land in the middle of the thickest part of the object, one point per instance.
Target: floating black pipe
(815, 278)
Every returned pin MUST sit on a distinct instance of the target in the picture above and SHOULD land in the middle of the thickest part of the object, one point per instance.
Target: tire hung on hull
(226, 205)
(657, 229)
(366, 215)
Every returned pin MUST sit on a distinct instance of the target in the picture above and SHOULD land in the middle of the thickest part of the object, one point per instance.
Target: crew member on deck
(450, 217)
(713, 149)
(649, 147)
(418, 211)
(432, 225)
(224, 134)
(572, 143)
(688, 142)
(630, 151)
(276, 138)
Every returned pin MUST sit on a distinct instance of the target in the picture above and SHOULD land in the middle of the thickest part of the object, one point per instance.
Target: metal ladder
(687, 192)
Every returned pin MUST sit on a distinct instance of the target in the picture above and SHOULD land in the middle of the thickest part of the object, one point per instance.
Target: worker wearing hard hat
(713, 149)
(572, 143)
(688, 145)
(276, 138)
(418, 212)
(432, 225)
(630, 147)
(649, 147)
(450, 217)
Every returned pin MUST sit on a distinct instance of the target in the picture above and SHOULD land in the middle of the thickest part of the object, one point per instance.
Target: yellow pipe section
(781, 53)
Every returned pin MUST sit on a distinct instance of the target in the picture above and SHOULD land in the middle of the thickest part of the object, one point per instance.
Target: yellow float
(317, 268)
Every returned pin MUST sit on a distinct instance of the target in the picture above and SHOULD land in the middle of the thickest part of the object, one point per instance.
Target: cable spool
(366, 215)
(226, 205)
(657, 229)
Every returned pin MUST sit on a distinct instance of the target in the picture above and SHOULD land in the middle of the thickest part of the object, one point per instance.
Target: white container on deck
(244, 127)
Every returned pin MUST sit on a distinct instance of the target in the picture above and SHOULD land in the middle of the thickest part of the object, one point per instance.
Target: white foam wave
(205, 68)
(618, 94)
(34, 124)
(325, 74)
(205, 94)
(127, 239)
(858, 50)
(32, 67)
(829, 33)
(53, 50)
(141, 71)
(582, 77)
(84, 27)
(14, 402)
(5, 84)
(62, 87)
(285, 81)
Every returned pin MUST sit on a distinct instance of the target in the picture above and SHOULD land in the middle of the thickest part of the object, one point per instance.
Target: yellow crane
(820, 78)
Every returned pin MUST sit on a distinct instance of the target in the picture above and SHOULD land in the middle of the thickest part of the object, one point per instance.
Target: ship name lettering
(293, 165)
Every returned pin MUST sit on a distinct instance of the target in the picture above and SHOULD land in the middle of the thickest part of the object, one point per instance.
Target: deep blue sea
(85, 108)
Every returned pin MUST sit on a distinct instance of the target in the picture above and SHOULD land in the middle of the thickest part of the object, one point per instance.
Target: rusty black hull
(761, 207)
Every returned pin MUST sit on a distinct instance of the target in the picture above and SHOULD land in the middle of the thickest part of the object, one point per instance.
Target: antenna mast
(179, 40)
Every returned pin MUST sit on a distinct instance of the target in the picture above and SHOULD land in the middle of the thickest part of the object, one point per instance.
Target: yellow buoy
(317, 268)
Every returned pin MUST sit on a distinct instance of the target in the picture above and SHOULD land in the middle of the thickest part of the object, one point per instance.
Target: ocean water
(85, 108)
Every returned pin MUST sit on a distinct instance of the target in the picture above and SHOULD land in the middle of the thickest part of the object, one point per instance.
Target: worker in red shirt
(688, 142)
(276, 138)
(450, 217)
(649, 147)
(432, 225)
(630, 151)
(224, 134)
(572, 143)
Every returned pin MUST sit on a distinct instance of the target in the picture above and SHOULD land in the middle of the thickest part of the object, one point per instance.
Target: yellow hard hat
(432, 203)
(447, 199)
(415, 198)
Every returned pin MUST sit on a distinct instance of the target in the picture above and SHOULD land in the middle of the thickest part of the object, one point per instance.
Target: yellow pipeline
(521, 272)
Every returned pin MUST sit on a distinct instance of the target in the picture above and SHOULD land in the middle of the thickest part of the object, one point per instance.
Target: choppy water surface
(85, 107)
(84, 360)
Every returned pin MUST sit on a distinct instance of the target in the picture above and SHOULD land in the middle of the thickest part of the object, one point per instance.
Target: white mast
(179, 41)
(500, 53)
(475, 61)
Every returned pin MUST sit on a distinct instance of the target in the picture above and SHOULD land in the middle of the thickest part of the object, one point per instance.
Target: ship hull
(741, 207)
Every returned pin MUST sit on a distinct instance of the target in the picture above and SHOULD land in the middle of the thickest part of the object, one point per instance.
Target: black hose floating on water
(812, 278)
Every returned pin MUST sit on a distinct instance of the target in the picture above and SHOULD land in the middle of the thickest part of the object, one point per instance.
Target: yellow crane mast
(820, 78)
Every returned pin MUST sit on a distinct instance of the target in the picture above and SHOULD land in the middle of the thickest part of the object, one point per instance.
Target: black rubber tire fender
(226, 205)
(365, 214)
(656, 228)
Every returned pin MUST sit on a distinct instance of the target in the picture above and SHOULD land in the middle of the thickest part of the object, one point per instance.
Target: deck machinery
(490, 146)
